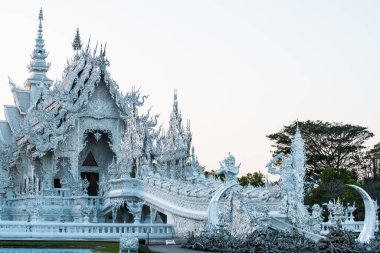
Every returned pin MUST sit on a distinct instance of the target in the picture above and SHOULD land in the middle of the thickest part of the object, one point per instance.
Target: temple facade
(80, 151)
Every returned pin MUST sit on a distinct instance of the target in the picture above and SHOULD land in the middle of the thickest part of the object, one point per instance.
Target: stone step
(178, 241)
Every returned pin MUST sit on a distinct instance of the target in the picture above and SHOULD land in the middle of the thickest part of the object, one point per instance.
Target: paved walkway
(172, 249)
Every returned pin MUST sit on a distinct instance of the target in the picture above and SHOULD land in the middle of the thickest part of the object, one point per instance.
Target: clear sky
(243, 69)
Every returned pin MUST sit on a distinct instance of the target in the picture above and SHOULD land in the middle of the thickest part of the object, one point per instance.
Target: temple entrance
(93, 179)
(95, 158)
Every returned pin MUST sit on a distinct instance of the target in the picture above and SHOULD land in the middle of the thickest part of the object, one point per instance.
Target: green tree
(333, 185)
(334, 145)
(371, 172)
(371, 168)
(255, 179)
(211, 173)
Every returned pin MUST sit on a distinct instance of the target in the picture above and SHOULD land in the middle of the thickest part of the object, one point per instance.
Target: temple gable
(101, 104)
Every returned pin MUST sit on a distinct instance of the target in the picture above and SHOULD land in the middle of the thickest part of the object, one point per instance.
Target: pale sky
(243, 69)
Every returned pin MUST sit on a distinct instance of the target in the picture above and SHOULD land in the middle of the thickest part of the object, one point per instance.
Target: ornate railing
(53, 200)
(186, 202)
(12, 229)
(355, 226)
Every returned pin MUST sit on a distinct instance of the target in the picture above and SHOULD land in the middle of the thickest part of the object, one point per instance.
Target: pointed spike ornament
(298, 156)
(88, 45)
(103, 62)
(41, 15)
(299, 160)
(12, 84)
(175, 103)
(95, 49)
(77, 44)
(176, 115)
(193, 158)
(38, 66)
(104, 51)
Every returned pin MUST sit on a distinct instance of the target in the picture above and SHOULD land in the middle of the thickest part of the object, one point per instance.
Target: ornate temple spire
(178, 138)
(298, 149)
(38, 66)
(175, 117)
(77, 44)
(298, 161)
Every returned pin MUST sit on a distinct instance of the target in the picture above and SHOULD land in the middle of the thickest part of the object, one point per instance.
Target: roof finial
(41, 15)
(77, 44)
(38, 66)
(12, 84)
(175, 104)
(297, 127)
(95, 49)
(104, 51)
(88, 45)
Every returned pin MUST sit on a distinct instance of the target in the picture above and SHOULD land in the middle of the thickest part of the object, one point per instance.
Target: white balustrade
(355, 226)
(13, 229)
(67, 201)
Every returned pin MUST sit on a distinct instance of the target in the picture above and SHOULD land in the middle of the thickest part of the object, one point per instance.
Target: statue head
(316, 208)
(228, 168)
(230, 160)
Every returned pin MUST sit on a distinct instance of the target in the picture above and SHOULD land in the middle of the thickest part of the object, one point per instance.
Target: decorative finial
(88, 45)
(38, 66)
(96, 49)
(12, 84)
(297, 128)
(103, 62)
(41, 15)
(175, 103)
(77, 44)
(104, 51)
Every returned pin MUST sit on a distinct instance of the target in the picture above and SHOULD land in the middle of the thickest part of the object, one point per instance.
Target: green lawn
(96, 247)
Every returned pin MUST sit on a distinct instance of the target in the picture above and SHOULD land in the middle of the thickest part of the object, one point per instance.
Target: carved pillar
(153, 214)
(116, 203)
(135, 208)
(74, 166)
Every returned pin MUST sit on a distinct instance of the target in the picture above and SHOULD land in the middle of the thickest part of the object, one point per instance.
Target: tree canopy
(254, 179)
(333, 186)
(371, 161)
(334, 145)
(212, 173)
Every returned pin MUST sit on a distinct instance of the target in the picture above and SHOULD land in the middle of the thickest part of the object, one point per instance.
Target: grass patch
(96, 247)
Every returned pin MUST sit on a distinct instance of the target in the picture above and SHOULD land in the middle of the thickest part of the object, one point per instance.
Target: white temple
(79, 153)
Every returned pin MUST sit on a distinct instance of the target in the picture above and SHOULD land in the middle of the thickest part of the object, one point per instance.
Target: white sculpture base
(129, 244)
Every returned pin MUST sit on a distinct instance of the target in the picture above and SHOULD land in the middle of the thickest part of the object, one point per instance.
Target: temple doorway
(95, 158)
(93, 179)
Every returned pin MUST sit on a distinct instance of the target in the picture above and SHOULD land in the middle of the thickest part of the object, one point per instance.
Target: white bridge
(159, 194)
